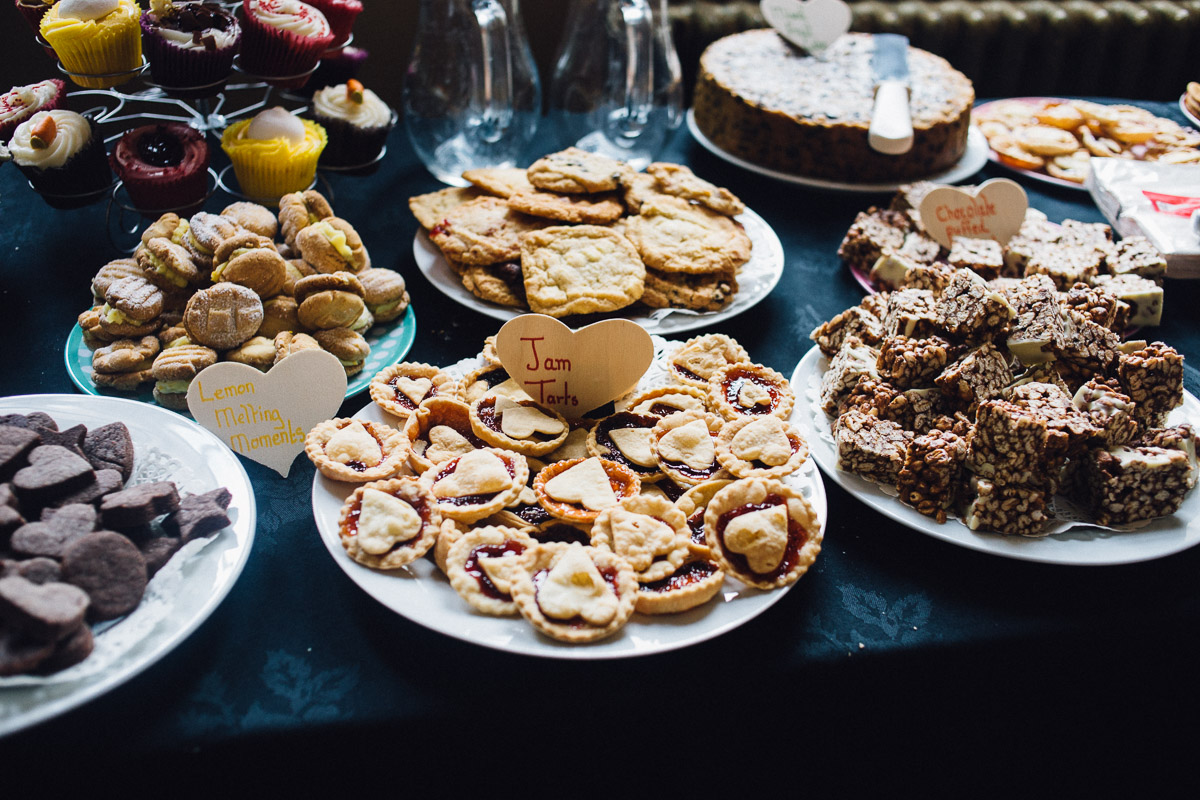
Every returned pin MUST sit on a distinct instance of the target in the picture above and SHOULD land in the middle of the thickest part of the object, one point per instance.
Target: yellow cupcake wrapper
(267, 169)
(103, 47)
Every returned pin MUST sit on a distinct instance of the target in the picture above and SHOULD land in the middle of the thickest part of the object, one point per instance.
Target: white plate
(1084, 546)
(1192, 118)
(756, 279)
(971, 162)
(198, 462)
(423, 595)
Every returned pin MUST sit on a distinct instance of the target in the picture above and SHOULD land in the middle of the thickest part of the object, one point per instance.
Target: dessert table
(894, 646)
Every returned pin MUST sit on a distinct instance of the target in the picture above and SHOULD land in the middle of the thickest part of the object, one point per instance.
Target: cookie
(580, 269)
(89, 324)
(252, 217)
(57, 529)
(384, 293)
(199, 515)
(68, 651)
(279, 314)
(430, 209)
(250, 260)
(576, 171)
(503, 284)
(110, 568)
(126, 355)
(106, 481)
(591, 209)
(167, 265)
(174, 370)
(112, 272)
(332, 244)
(138, 505)
(170, 226)
(483, 231)
(131, 306)
(298, 210)
(20, 654)
(297, 268)
(110, 447)
(499, 181)
(15, 445)
(52, 471)
(122, 381)
(350, 348)
(705, 292)
(204, 234)
(259, 353)
(42, 612)
(157, 551)
(332, 300)
(672, 235)
(223, 316)
(38, 570)
(637, 188)
(287, 343)
(679, 181)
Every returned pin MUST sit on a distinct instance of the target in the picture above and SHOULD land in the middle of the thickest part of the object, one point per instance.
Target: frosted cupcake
(33, 11)
(22, 102)
(189, 44)
(355, 119)
(63, 156)
(273, 154)
(282, 38)
(341, 15)
(95, 37)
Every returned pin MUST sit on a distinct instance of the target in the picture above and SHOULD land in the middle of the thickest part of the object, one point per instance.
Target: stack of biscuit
(581, 233)
(245, 285)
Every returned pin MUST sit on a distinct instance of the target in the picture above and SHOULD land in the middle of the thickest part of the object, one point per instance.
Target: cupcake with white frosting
(282, 38)
(98, 42)
(355, 119)
(62, 154)
(21, 102)
(189, 44)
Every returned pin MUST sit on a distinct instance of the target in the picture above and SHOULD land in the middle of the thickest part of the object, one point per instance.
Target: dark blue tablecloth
(890, 634)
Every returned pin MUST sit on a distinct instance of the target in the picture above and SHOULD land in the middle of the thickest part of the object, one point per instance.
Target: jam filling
(489, 417)
(692, 572)
(624, 419)
(687, 373)
(736, 380)
(467, 434)
(359, 466)
(796, 538)
(534, 515)
(160, 148)
(476, 571)
(663, 409)
(404, 399)
(562, 532)
(470, 499)
(441, 229)
(420, 506)
(696, 526)
(609, 574)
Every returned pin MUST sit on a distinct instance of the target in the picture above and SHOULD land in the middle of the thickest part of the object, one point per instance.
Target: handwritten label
(993, 210)
(812, 25)
(574, 372)
(265, 416)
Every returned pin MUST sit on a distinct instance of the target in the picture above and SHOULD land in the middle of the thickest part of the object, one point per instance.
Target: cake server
(891, 130)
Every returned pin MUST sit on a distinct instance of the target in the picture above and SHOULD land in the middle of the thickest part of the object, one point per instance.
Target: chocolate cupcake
(164, 167)
(341, 15)
(189, 44)
(282, 38)
(356, 121)
(22, 102)
(62, 154)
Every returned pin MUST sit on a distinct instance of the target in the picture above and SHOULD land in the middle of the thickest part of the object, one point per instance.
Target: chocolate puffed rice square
(870, 447)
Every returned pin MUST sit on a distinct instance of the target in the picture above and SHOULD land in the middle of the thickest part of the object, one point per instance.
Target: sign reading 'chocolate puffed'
(993, 210)
(265, 416)
(573, 371)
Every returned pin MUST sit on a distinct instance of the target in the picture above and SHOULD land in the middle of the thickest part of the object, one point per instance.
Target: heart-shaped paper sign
(265, 416)
(574, 372)
(812, 25)
(993, 210)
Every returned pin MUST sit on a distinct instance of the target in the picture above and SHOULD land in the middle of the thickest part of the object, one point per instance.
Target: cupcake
(274, 153)
(95, 37)
(62, 155)
(282, 38)
(33, 11)
(341, 15)
(357, 123)
(164, 167)
(21, 102)
(189, 44)
(337, 66)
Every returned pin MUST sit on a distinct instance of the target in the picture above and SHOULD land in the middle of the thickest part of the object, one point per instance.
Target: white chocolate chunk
(640, 537)
(414, 389)
(522, 422)
(586, 483)
(763, 440)
(761, 536)
(574, 587)
(446, 443)
(354, 443)
(385, 520)
(689, 444)
(478, 472)
(634, 444)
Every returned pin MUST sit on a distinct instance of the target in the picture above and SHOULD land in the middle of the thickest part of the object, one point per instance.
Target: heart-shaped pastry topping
(639, 537)
(993, 210)
(477, 472)
(763, 440)
(354, 443)
(761, 536)
(385, 520)
(415, 389)
(574, 588)
(812, 25)
(445, 443)
(522, 422)
(574, 371)
(689, 444)
(634, 444)
(584, 484)
(265, 416)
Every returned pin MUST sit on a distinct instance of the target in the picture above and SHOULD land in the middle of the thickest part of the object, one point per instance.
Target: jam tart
(439, 430)
(575, 443)
(762, 532)
(699, 357)
(667, 400)
(693, 584)
(388, 524)
(624, 437)
(353, 450)
(574, 593)
(649, 532)
(401, 388)
(487, 378)
(480, 564)
(761, 447)
(525, 426)
(579, 489)
(739, 390)
(476, 484)
(449, 533)
(685, 447)
(693, 503)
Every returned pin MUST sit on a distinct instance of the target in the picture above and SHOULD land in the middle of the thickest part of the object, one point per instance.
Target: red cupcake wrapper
(181, 187)
(7, 129)
(178, 67)
(341, 16)
(270, 52)
(32, 14)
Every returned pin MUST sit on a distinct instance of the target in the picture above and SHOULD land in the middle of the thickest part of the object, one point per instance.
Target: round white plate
(422, 594)
(1080, 545)
(971, 162)
(756, 279)
(1192, 118)
(203, 463)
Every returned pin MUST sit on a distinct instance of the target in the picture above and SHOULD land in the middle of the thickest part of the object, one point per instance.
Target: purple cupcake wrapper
(174, 66)
(350, 145)
(270, 52)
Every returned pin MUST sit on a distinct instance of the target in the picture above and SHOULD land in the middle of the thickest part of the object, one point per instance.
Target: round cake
(762, 100)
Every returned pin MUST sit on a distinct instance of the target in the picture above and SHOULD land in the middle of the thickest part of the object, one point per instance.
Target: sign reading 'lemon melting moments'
(570, 371)
(265, 416)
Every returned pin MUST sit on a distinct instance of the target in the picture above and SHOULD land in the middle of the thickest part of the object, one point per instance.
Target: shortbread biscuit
(576, 171)
(580, 270)
(672, 235)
